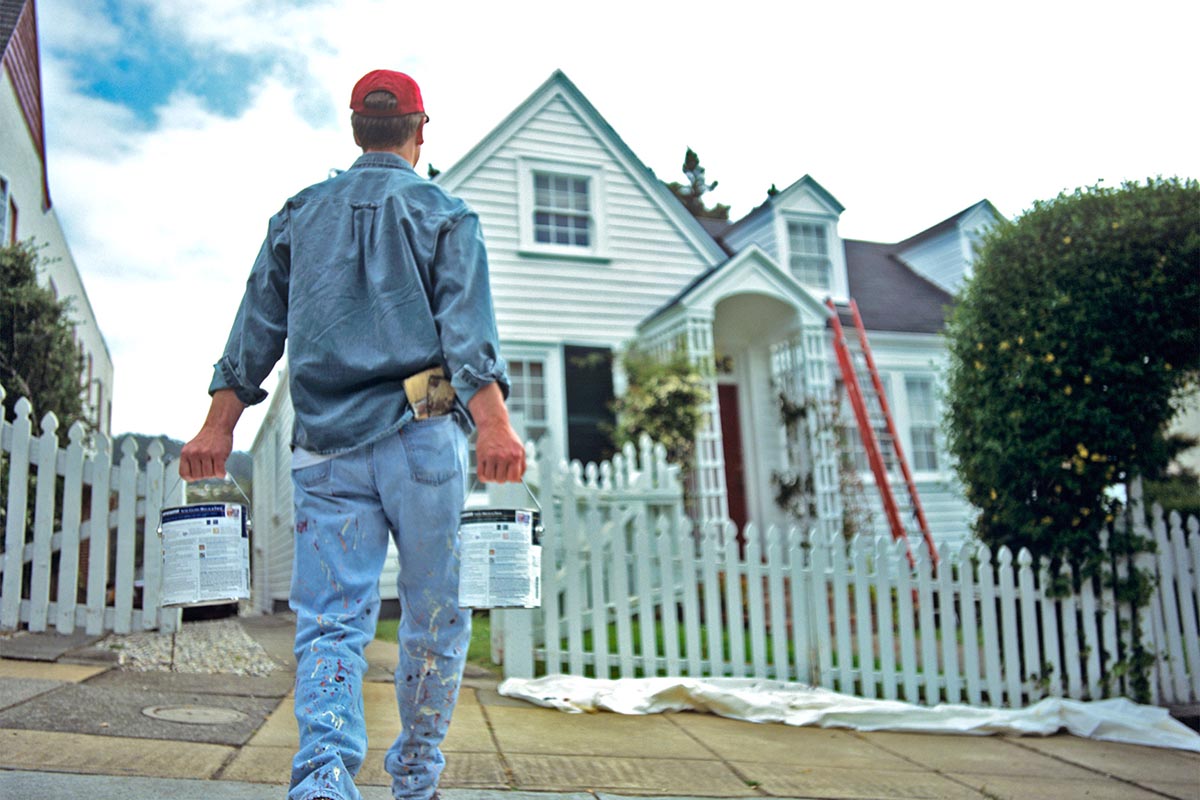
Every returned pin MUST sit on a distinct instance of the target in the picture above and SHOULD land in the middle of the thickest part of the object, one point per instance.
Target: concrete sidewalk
(89, 730)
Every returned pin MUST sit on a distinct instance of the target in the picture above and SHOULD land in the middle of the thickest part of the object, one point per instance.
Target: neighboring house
(26, 212)
(589, 252)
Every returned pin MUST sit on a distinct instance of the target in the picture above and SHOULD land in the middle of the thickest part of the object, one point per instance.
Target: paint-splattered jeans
(413, 485)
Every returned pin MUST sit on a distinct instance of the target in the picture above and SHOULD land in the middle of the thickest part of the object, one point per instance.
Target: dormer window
(808, 252)
(562, 209)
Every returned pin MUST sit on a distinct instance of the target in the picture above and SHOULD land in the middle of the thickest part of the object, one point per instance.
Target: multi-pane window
(923, 422)
(808, 252)
(527, 396)
(561, 210)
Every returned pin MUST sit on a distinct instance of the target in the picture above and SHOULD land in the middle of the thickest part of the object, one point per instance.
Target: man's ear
(421, 134)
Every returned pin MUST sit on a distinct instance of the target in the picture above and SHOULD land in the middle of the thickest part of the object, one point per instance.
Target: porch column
(709, 475)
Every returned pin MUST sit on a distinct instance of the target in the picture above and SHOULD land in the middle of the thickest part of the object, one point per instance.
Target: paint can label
(205, 554)
(501, 558)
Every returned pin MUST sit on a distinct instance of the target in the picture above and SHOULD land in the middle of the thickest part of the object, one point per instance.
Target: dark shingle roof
(10, 11)
(889, 294)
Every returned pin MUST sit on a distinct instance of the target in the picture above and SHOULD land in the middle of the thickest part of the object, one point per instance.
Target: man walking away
(377, 279)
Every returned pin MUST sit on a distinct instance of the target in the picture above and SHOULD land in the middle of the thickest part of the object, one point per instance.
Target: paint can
(501, 557)
(205, 554)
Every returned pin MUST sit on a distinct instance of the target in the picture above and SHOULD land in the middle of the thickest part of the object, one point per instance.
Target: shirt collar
(381, 160)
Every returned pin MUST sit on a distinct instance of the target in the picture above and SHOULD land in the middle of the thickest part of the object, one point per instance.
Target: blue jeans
(412, 485)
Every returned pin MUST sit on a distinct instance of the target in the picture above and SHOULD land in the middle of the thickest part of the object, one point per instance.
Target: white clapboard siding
(66, 549)
(856, 617)
(546, 299)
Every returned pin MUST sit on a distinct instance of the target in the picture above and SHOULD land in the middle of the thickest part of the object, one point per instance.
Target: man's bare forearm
(204, 456)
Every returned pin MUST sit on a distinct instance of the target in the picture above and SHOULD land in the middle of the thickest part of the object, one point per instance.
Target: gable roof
(771, 280)
(945, 225)
(559, 85)
(779, 198)
(891, 296)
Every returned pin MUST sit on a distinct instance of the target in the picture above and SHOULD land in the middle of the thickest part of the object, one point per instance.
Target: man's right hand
(499, 453)
(204, 456)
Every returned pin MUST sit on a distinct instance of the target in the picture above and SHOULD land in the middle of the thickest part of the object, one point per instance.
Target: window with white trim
(561, 210)
(923, 422)
(527, 396)
(808, 254)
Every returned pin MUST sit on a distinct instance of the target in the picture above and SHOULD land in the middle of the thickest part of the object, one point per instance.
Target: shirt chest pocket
(431, 450)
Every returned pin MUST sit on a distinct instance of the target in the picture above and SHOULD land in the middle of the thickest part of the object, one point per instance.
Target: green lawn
(480, 651)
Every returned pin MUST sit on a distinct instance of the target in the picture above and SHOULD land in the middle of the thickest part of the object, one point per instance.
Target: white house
(26, 212)
(589, 251)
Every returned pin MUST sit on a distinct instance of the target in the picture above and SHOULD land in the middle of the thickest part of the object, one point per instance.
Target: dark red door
(731, 444)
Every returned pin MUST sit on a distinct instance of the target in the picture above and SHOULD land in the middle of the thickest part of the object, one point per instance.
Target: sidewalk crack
(741, 776)
(510, 776)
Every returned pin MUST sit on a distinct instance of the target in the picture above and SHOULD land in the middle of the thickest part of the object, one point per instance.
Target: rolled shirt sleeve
(256, 341)
(463, 310)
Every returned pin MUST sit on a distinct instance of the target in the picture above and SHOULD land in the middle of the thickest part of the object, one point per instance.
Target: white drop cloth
(1114, 720)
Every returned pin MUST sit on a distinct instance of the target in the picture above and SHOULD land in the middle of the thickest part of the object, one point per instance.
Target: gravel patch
(204, 647)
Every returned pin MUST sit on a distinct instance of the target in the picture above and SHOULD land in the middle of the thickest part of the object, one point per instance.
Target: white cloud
(906, 112)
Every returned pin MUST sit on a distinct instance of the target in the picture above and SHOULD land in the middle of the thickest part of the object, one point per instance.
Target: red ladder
(867, 431)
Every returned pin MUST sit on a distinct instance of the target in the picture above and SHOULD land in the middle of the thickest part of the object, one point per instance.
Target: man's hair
(381, 133)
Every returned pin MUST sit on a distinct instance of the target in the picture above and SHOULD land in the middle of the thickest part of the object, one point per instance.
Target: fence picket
(781, 667)
(819, 610)
(754, 599)
(619, 575)
(907, 621)
(685, 537)
(1070, 635)
(572, 538)
(1030, 650)
(841, 615)
(948, 591)
(1109, 614)
(1173, 627)
(68, 561)
(151, 544)
(803, 638)
(927, 630)
(552, 577)
(991, 632)
(712, 600)
(885, 616)
(43, 524)
(860, 548)
(1186, 594)
(18, 506)
(733, 602)
(126, 536)
(669, 601)
(1011, 654)
(98, 537)
(600, 599)
(645, 595)
(970, 633)
(1091, 637)
(1053, 659)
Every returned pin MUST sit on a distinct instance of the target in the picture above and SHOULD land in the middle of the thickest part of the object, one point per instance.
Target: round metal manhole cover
(195, 715)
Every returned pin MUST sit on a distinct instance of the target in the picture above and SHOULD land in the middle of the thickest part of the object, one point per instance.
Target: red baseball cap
(404, 88)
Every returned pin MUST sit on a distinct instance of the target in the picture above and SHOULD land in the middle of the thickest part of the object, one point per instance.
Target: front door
(731, 445)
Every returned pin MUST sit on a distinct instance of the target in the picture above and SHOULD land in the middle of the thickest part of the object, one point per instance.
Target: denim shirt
(370, 277)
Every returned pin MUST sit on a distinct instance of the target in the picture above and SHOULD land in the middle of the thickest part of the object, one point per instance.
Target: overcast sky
(175, 128)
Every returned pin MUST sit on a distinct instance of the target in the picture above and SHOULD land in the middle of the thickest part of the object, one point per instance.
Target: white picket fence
(80, 546)
(631, 591)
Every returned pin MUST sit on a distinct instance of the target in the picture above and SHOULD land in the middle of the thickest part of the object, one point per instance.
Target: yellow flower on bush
(1047, 520)
(1066, 240)
(1004, 346)
(1083, 451)
(1049, 358)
